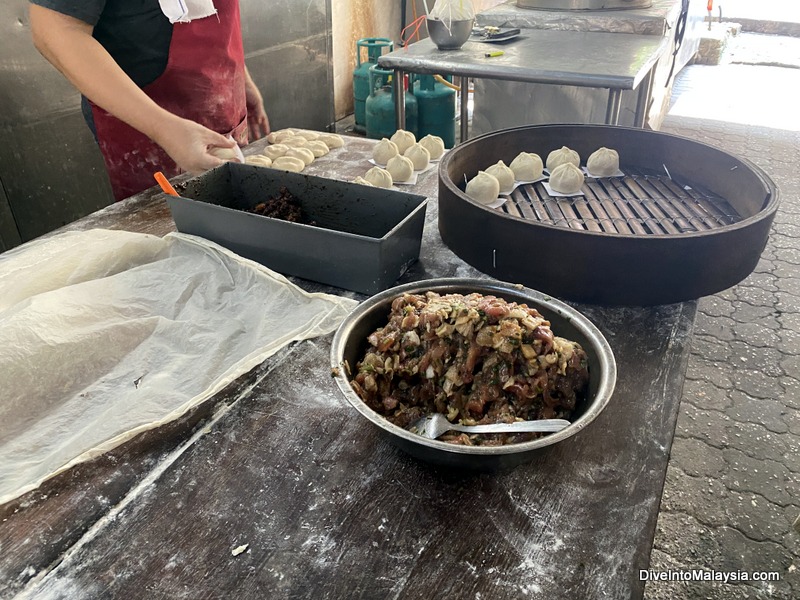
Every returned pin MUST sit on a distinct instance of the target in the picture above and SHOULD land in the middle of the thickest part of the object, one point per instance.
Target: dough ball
(276, 137)
(603, 162)
(403, 139)
(419, 156)
(379, 177)
(504, 176)
(434, 145)
(224, 153)
(566, 179)
(304, 154)
(259, 160)
(383, 151)
(317, 147)
(309, 135)
(288, 163)
(527, 166)
(275, 151)
(483, 188)
(332, 140)
(295, 141)
(400, 168)
(561, 156)
(361, 181)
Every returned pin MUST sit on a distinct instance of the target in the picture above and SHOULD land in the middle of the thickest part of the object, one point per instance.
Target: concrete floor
(733, 483)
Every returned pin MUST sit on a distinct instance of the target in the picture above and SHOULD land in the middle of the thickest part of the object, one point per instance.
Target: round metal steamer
(688, 220)
(350, 344)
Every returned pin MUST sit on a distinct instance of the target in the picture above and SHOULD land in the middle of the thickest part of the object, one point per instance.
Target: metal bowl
(350, 343)
(452, 38)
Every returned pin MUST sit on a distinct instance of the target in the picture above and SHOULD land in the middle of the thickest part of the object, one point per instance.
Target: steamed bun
(561, 156)
(379, 177)
(419, 156)
(527, 166)
(384, 150)
(603, 162)
(434, 145)
(400, 167)
(566, 179)
(504, 176)
(403, 139)
(483, 188)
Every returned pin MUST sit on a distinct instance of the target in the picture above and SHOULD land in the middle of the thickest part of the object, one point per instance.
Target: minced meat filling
(476, 359)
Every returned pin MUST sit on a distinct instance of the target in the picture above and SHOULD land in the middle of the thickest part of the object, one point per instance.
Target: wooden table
(280, 463)
(612, 61)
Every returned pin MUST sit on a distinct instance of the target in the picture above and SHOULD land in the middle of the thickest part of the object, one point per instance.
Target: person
(162, 88)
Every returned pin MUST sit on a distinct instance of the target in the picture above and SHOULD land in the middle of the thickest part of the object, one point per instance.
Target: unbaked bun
(276, 136)
(504, 176)
(403, 139)
(304, 154)
(317, 147)
(332, 140)
(379, 177)
(400, 167)
(434, 145)
(224, 153)
(383, 151)
(566, 179)
(259, 160)
(603, 162)
(561, 156)
(275, 150)
(527, 166)
(288, 163)
(361, 181)
(419, 155)
(483, 188)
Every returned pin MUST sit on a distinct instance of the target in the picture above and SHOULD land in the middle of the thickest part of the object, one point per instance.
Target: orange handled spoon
(165, 185)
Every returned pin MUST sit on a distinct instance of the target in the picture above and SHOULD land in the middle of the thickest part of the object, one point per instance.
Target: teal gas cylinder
(380, 106)
(436, 109)
(361, 88)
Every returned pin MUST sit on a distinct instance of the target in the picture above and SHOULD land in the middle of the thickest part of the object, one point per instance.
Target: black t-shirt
(134, 32)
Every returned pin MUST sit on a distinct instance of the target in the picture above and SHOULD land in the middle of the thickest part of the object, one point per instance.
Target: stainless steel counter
(574, 58)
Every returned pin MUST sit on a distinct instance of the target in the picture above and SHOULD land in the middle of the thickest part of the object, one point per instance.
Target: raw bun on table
(379, 177)
(317, 147)
(504, 176)
(332, 140)
(400, 167)
(288, 163)
(304, 154)
(527, 166)
(603, 162)
(361, 181)
(434, 145)
(276, 136)
(403, 139)
(561, 156)
(275, 150)
(419, 156)
(259, 160)
(566, 179)
(384, 150)
(309, 135)
(295, 141)
(483, 188)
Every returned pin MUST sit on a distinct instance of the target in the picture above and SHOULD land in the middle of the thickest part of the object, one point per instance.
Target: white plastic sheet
(452, 10)
(105, 334)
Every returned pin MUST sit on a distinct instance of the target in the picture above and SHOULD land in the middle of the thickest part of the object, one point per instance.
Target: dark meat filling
(284, 206)
(476, 359)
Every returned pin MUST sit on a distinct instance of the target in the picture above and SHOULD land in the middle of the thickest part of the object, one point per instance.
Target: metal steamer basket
(685, 220)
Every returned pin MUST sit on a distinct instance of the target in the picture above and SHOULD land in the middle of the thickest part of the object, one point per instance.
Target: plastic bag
(452, 10)
(105, 334)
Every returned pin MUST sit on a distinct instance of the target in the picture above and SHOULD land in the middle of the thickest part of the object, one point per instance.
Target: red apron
(204, 81)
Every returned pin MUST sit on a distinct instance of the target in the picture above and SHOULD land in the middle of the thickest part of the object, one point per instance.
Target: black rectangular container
(363, 240)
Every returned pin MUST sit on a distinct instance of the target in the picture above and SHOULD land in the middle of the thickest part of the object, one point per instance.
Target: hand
(257, 120)
(188, 144)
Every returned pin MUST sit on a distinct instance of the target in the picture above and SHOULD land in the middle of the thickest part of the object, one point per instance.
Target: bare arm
(68, 44)
(257, 119)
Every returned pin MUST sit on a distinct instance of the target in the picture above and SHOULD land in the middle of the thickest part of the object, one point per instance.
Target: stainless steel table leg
(399, 99)
(643, 100)
(612, 109)
(464, 109)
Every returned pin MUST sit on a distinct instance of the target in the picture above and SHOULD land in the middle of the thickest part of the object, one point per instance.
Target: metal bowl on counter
(350, 344)
(452, 37)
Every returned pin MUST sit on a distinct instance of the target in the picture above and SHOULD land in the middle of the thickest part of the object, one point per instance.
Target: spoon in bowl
(434, 425)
